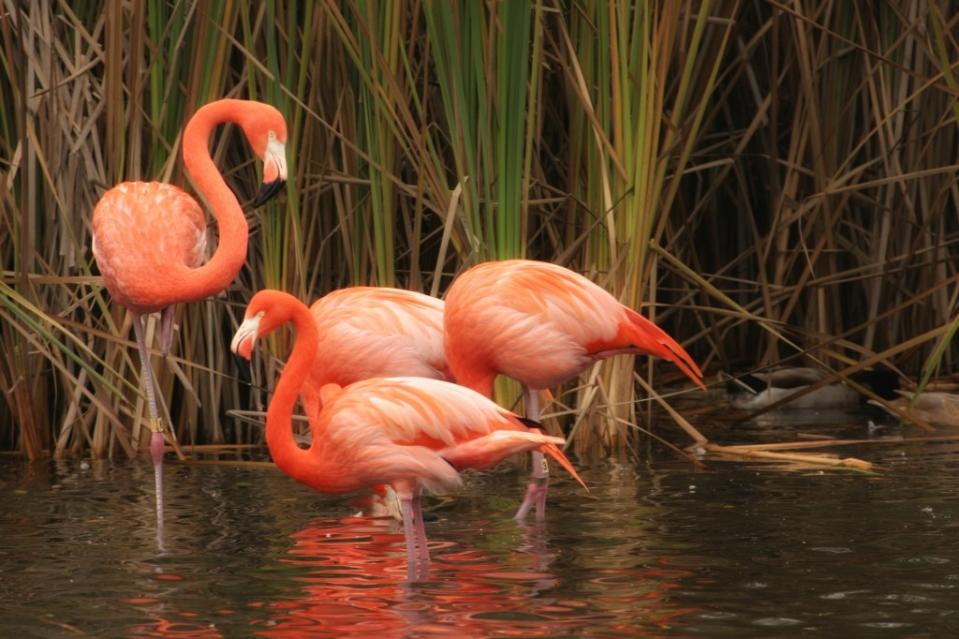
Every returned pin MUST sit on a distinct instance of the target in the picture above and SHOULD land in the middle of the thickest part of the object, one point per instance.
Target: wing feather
(378, 332)
(412, 410)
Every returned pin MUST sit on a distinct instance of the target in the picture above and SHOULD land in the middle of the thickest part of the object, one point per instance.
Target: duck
(754, 391)
(936, 408)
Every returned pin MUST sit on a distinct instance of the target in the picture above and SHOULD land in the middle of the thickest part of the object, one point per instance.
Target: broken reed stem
(826, 443)
(813, 460)
(681, 421)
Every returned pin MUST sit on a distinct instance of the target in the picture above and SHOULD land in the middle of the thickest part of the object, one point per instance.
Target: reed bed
(769, 181)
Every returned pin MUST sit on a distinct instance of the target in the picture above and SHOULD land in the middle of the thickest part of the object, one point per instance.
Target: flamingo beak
(245, 337)
(274, 172)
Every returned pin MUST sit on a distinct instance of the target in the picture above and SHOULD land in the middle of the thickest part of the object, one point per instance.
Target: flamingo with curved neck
(408, 432)
(541, 324)
(149, 238)
(374, 331)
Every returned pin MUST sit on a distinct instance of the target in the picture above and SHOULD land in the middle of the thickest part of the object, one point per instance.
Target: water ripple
(747, 553)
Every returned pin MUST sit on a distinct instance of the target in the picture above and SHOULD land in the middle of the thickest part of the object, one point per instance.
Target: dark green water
(658, 549)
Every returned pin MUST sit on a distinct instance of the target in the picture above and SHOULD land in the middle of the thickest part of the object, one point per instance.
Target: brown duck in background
(937, 408)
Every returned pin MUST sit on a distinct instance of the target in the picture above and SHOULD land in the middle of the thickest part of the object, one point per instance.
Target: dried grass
(770, 182)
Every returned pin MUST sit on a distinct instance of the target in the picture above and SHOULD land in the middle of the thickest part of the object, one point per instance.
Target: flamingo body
(542, 324)
(408, 432)
(167, 226)
(389, 429)
(367, 331)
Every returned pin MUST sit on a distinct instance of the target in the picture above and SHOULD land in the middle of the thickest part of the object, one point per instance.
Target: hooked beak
(267, 192)
(274, 172)
(245, 336)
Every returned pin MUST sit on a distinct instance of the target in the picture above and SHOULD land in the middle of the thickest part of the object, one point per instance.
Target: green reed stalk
(512, 82)
(458, 40)
(382, 41)
(655, 84)
(791, 164)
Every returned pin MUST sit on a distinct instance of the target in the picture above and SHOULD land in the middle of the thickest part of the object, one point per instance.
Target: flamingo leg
(406, 507)
(419, 529)
(166, 330)
(156, 424)
(539, 482)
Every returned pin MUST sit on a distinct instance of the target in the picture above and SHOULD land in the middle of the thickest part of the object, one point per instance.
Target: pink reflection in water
(355, 585)
(348, 578)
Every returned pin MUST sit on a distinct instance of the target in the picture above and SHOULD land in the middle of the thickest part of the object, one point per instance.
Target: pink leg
(406, 507)
(539, 482)
(419, 529)
(156, 424)
(166, 330)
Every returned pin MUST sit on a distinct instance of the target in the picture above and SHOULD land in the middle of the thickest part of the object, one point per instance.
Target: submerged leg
(419, 529)
(406, 507)
(536, 490)
(166, 330)
(155, 424)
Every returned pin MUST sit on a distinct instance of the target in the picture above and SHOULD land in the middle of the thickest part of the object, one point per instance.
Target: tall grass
(769, 181)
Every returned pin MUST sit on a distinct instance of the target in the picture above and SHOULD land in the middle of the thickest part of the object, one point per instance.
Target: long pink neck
(221, 269)
(296, 462)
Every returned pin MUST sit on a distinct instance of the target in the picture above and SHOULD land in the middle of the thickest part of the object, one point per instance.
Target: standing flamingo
(370, 331)
(408, 432)
(149, 238)
(541, 324)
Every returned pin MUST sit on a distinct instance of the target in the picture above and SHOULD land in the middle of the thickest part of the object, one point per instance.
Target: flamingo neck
(221, 269)
(474, 377)
(296, 462)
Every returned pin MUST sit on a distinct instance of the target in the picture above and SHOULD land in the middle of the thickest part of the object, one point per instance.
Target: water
(657, 549)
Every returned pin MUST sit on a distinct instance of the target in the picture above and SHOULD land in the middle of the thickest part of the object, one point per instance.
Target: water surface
(658, 548)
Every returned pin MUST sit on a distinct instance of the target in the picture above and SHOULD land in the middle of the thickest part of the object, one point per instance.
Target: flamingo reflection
(347, 577)
(355, 585)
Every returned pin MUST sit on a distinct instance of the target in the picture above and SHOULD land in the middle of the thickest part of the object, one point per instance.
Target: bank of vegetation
(769, 181)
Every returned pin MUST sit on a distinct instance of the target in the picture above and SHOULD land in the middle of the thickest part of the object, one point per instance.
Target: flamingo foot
(535, 496)
(536, 491)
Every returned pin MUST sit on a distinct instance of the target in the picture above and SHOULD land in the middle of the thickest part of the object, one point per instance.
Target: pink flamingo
(541, 324)
(408, 432)
(370, 331)
(149, 238)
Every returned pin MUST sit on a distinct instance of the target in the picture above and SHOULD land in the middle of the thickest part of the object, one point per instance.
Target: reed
(769, 181)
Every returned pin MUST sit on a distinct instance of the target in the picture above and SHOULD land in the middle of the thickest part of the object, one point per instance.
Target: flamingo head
(265, 128)
(266, 311)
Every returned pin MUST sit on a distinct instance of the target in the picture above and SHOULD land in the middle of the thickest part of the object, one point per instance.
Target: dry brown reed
(771, 181)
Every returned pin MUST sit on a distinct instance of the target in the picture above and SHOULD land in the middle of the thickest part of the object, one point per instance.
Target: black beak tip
(243, 366)
(267, 192)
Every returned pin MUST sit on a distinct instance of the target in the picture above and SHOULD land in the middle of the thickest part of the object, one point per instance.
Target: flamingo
(541, 324)
(374, 331)
(408, 432)
(149, 238)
